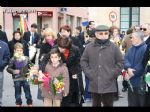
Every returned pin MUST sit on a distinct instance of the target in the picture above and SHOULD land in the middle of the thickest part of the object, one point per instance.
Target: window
(69, 21)
(78, 21)
(129, 16)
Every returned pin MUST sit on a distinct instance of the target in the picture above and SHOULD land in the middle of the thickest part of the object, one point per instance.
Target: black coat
(3, 36)
(27, 35)
(76, 42)
(13, 42)
(76, 85)
(148, 40)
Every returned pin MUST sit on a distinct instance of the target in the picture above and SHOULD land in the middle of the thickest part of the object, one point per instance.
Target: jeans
(26, 88)
(1, 87)
(87, 94)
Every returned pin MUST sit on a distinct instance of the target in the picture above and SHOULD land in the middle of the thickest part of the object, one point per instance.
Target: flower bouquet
(127, 77)
(147, 79)
(32, 75)
(20, 63)
(147, 76)
(53, 85)
(59, 84)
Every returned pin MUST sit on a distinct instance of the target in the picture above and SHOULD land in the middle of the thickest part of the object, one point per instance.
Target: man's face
(145, 30)
(102, 35)
(33, 29)
(92, 25)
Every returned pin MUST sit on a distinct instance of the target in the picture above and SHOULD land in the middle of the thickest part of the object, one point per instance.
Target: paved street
(9, 99)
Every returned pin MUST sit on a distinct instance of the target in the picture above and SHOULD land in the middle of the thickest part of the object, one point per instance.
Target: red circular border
(115, 14)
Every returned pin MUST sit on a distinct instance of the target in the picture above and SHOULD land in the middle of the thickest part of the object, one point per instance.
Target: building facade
(53, 17)
(1, 16)
(125, 16)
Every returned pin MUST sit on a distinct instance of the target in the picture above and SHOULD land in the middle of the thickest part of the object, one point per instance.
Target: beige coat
(55, 72)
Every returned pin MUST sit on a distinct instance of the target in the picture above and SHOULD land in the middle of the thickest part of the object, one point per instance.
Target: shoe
(18, 105)
(121, 96)
(124, 89)
(30, 105)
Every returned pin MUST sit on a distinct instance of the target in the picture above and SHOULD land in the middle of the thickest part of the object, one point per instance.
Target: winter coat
(55, 72)
(13, 42)
(102, 64)
(133, 59)
(3, 36)
(146, 58)
(4, 55)
(23, 67)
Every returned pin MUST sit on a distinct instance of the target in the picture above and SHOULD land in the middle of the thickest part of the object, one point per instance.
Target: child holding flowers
(55, 80)
(18, 67)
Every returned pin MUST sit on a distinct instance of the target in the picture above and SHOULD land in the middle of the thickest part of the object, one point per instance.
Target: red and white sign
(45, 13)
(113, 16)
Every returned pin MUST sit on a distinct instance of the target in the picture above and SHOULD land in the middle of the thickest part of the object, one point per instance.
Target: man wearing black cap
(102, 62)
(32, 38)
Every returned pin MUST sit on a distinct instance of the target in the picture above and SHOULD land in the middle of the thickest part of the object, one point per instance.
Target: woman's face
(62, 50)
(17, 36)
(48, 37)
(64, 33)
(115, 32)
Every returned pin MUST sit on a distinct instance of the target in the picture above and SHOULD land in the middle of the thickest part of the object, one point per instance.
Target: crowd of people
(100, 53)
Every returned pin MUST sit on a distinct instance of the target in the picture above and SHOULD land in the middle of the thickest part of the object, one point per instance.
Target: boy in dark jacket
(18, 67)
(4, 58)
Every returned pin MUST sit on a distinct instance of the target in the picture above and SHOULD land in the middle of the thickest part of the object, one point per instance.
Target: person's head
(78, 30)
(33, 27)
(17, 35)
(129, 31)
(145, 28)
(91, 24)
(137, 28)
(65, 31)
(0, 27)
(63, 44)
(123, 32)
(18, 49)
(102, 32)
(115, 31)
(137, 38)
(55, 56)
(49, 34)
(18, 29)
(42, 31)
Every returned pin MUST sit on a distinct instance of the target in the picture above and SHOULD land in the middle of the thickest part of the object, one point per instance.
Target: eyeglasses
(101, 33)
(144, 29)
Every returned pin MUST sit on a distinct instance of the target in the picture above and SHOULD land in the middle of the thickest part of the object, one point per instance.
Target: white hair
(139, 34)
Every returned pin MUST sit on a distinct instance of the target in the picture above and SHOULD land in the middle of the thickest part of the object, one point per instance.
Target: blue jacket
(133, 59)
(4, 55)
